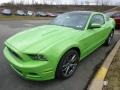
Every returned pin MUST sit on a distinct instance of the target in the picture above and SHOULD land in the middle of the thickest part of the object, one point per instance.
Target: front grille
(14, 53)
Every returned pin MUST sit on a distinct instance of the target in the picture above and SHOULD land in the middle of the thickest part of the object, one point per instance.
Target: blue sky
(63, 1)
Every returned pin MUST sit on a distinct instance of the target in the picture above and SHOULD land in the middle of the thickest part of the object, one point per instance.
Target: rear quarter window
(107, 17)
(98, 18)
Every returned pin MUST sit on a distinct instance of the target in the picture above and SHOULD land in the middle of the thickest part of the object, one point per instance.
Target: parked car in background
(20, 13)
(39, 13)
(29, 13)
(58, 13)
(51, 14)
(6, 12)
(116, 16)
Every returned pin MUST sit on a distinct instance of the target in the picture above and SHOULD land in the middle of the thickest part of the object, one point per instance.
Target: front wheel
(67, 64)
(109, 39)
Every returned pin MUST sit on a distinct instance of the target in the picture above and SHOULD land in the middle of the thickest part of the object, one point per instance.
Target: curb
(98, 80)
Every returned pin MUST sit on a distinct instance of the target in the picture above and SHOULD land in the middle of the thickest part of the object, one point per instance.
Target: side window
(99, 19)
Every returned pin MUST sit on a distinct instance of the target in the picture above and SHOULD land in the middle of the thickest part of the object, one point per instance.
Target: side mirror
(95, 25)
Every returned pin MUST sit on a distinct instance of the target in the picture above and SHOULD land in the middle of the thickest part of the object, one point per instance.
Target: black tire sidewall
(59, 74)
(107, 41)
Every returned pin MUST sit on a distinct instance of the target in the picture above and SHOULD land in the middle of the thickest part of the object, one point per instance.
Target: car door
(94, 36)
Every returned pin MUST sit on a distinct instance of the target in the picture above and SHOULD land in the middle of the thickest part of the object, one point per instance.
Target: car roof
(83, 12)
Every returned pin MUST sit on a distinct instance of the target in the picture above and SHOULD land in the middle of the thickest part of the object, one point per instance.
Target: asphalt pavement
(9, 80)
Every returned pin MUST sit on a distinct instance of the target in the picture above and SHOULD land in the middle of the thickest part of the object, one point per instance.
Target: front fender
(56, 52)
(66, 48)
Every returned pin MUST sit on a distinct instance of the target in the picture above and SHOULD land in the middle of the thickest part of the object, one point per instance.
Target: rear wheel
(67, 64)
(109, 39)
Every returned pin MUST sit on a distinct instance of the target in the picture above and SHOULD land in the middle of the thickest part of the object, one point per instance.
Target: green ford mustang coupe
(54, 50)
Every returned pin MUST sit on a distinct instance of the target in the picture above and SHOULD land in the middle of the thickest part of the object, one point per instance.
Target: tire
(67, 65)
(108, 41)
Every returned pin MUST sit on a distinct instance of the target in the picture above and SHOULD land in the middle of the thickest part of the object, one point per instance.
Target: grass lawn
(13, 17)
(113, 76)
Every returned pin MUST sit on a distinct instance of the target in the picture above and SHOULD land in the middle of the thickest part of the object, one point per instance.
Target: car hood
(39, 38)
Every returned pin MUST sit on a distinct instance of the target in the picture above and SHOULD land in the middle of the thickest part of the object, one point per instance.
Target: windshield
(73, 20)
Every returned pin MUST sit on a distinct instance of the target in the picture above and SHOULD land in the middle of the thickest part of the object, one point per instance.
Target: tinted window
(73, 20)
(98, 19)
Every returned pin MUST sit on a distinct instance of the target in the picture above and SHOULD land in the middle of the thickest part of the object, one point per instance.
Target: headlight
(37, 57)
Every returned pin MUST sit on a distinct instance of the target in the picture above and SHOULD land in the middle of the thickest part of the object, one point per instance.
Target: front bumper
(33, 70)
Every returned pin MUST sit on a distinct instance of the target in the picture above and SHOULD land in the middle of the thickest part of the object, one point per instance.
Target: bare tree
(76, 2)
(102, 2)
(36, 3)
(32, 2)
(58, 2)
(97, 2)
(87, 2)
(107, 2)
(82, 3)
(12, 1)
(51, 2)
(45, 2)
